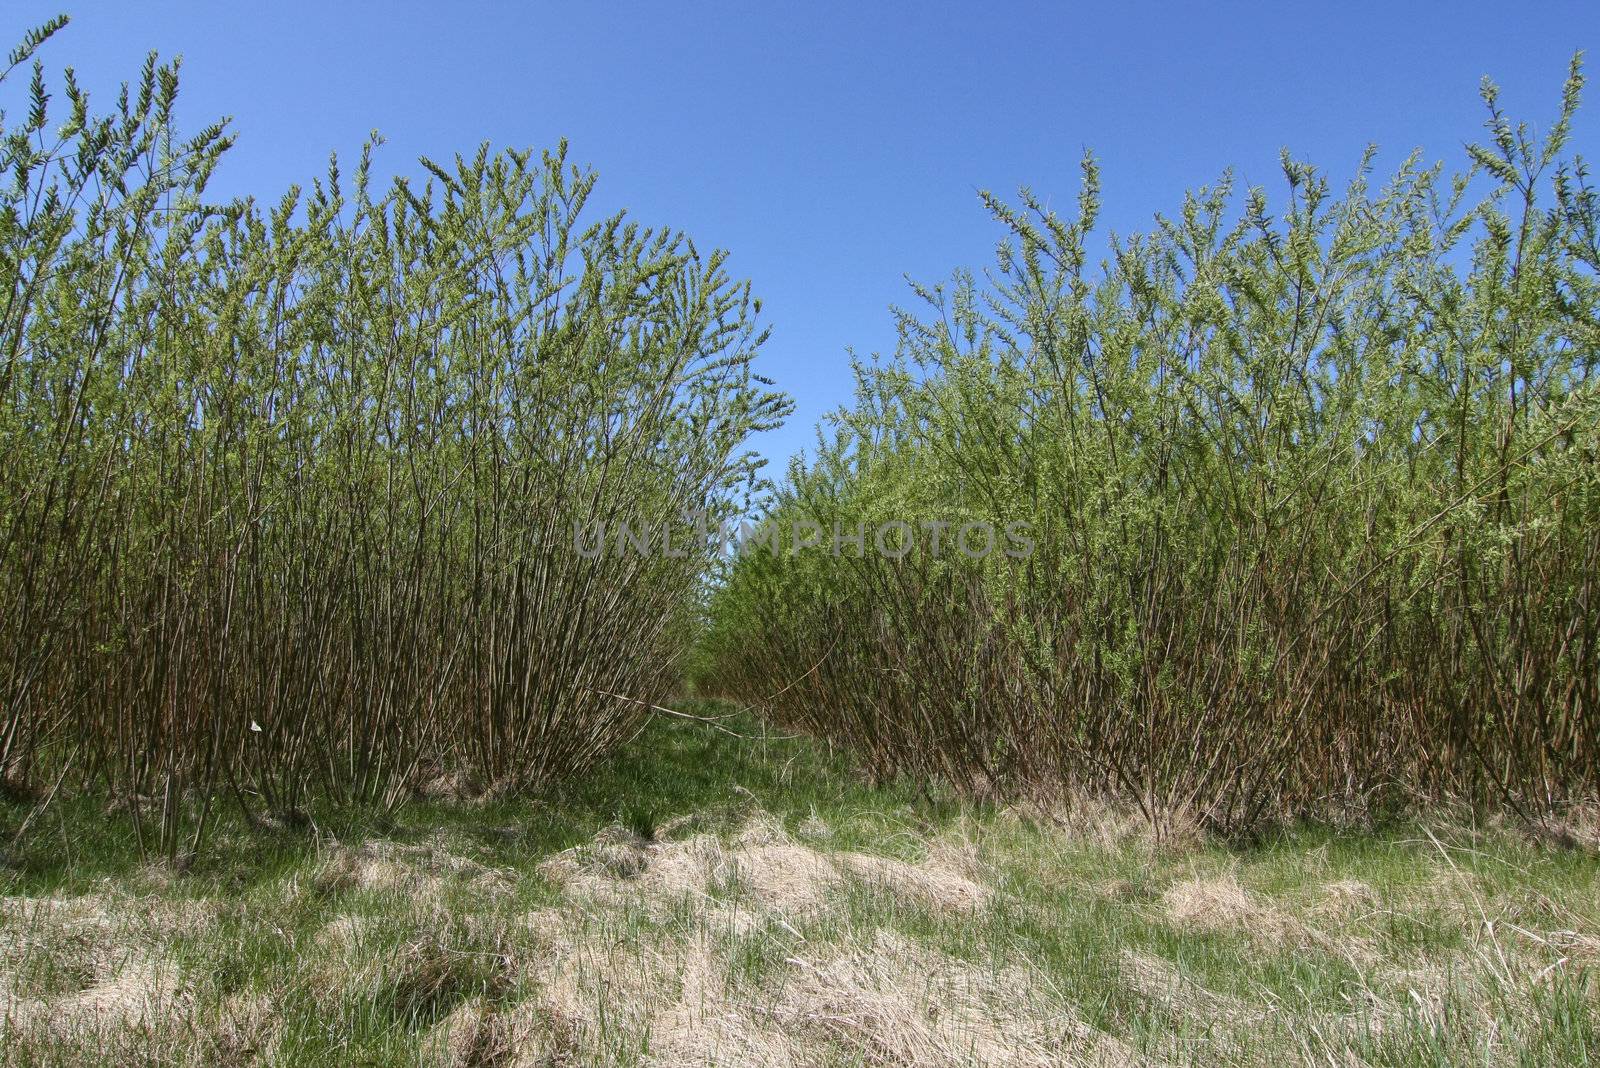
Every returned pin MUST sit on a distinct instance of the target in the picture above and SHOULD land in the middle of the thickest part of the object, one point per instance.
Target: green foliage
(289, 492)
(1315, 500)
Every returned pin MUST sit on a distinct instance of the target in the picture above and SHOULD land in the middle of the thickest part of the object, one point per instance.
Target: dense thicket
(288, 494)
(1314, 495)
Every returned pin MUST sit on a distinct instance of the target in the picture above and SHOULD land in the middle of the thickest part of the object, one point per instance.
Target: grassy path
(709, 899)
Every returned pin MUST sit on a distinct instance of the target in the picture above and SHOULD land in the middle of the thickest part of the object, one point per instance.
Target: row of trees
(288, 492)
(1315, 495)
(1300, 512)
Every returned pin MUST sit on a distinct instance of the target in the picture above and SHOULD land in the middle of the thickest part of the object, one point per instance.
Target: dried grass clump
(893, 1001)
(344, 933)
(134, 993)
(935, 883)
(423, 974)
(97, 975)
(1211, 904)
(1219, 904)
(876, 995)
(1344, 900)
(423, 870)
(1109, 824)
(1185, 1000)
(1573, 826)
(471, 1036)
(767, 868)
(92, 953)
(673, 995)
(671, 998)
(243, 1029)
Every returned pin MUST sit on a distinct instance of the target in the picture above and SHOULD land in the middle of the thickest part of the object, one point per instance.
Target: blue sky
(837, 148)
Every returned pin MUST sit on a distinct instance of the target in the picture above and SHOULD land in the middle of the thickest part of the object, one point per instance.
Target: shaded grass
(669, 770)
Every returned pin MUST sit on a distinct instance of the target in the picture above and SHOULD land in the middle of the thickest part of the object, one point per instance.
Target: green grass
(1452, 944)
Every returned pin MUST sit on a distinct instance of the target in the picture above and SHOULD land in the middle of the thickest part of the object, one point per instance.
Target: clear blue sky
(837, 148)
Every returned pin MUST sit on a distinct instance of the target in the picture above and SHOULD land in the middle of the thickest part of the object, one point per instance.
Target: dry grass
(772, 871)
(798, 930)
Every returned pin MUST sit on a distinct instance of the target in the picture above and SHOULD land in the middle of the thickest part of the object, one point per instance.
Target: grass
(709, 899)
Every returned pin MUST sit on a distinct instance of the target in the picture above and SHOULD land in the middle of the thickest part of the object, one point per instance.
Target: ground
(708, 899)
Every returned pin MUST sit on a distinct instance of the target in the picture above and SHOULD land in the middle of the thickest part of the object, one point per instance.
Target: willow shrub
(1314, 499)
(289, 492)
